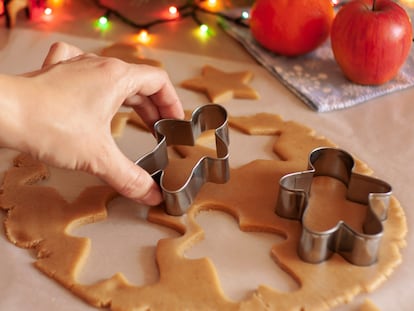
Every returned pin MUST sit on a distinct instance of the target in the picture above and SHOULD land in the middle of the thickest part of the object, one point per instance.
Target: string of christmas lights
(190, 9)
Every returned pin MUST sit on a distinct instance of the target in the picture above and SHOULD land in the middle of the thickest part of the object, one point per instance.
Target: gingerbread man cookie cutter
(359, 248)
(207, 169)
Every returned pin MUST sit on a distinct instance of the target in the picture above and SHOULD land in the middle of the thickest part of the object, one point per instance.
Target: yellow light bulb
(56, 2)
(143, 36)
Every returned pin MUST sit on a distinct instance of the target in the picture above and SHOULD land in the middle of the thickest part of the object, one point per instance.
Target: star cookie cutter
(316, 246)
(207, 169)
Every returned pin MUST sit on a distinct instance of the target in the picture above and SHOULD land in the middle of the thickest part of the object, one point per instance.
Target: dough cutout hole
(241, 268)
(69, 183)
(253, 147)
(124, 242)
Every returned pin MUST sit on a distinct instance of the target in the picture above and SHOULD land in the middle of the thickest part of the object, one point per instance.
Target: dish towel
(316, 78)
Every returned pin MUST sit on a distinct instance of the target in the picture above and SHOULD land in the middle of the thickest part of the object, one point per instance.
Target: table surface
(380, 132)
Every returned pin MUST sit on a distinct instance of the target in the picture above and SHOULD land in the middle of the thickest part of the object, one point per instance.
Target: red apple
(371, 40)
(291, 27)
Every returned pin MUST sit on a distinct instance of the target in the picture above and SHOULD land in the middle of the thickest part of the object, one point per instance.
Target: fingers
(167, 101)
(147, 111)
(60, 51)
(153, 96)
(129, 179)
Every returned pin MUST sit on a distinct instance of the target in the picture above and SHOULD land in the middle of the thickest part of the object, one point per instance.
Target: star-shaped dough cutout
(222, 86)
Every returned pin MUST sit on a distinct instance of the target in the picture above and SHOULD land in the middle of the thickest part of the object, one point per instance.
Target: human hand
(68, 108)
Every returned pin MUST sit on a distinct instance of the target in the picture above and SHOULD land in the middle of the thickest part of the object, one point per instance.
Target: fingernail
(153, 196)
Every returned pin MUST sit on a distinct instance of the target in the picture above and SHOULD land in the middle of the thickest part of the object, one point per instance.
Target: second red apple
(371, 40)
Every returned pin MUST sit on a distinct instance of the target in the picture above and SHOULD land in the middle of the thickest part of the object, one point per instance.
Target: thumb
(129, 179)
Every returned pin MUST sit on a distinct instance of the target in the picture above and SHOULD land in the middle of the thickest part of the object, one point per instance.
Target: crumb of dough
(129, 53)
(220, 86)
(40, 219)
(369, 305)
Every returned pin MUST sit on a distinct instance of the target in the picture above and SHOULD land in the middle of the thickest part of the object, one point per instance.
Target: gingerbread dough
(39, 218)
(222, 86)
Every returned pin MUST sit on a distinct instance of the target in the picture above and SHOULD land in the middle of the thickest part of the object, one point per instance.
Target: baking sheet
(379, 132)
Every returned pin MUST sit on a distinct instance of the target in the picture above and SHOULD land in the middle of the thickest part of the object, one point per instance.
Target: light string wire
(190, 9)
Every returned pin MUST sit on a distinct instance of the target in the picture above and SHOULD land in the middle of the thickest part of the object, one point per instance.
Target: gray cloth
(316, 78)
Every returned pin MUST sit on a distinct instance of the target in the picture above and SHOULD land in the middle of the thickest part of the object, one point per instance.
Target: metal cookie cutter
(314, 246)
(179, 132)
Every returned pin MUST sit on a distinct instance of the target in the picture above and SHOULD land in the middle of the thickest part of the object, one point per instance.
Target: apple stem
(373, 5)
